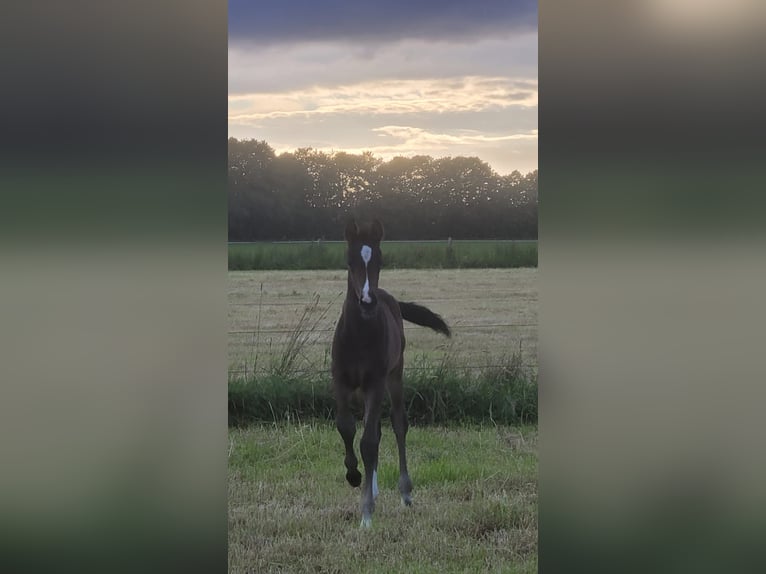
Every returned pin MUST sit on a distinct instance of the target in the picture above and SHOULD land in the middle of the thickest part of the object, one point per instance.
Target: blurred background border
(651, 262)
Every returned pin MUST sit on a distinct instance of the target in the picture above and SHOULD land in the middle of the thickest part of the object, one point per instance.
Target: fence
(499, 323)
(441, 241)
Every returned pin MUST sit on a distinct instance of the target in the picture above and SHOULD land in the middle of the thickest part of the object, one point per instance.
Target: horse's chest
(369, 355)
(365, 351)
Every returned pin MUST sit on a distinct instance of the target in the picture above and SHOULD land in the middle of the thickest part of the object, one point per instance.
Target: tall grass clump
(504, 392)
(305, 332)
(273, 398)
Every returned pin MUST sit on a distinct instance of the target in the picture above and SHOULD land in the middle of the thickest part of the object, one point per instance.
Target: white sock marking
(366, 256)
(375, 484)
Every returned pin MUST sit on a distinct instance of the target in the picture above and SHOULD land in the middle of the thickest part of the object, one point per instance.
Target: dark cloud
(288, 21)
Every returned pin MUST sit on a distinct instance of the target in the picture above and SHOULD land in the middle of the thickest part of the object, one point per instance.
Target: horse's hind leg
(400, 424)
(346, 423)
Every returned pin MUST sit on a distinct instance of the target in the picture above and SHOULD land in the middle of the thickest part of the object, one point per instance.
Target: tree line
(309, 194)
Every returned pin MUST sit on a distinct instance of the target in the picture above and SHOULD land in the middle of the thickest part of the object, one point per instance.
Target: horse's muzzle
(368, 309)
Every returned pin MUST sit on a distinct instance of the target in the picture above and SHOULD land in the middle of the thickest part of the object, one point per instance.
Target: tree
(308, 194)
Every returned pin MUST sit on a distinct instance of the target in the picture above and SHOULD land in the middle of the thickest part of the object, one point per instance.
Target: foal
(368, 354)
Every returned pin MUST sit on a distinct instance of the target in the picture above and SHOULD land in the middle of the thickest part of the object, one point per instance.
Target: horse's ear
(351, 230)
(377, 230)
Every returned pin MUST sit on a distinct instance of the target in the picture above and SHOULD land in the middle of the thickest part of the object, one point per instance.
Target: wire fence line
(323, 338)
(339, 241)
(243, 368)
(521, 329)
(331, 329)
(294, 304)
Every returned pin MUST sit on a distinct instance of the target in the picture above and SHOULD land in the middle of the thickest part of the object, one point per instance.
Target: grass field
(474, 502)
(475, 485)
(282, 324)
(397, 255)
(492, 313)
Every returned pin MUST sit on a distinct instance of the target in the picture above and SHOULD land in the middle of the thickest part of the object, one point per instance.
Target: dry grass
(475, 502)
(466, 298)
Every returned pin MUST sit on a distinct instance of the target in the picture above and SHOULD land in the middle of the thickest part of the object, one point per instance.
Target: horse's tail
(423, 316)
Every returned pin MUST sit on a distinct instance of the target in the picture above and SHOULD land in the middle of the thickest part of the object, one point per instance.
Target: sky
(394, 77)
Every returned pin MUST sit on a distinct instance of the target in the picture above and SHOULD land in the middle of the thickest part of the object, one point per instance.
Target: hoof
(366, 522)
(354, 477)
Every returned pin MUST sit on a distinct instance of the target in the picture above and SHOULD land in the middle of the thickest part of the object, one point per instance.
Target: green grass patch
(504, 393)
(396, 255)
(474, 501)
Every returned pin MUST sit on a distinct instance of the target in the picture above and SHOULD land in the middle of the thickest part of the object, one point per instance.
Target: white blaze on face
(366, 256)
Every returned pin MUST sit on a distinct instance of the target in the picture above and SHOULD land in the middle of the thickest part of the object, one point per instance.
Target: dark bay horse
(368, 354)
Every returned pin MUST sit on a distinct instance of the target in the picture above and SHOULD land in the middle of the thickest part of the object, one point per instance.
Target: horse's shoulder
(387, 298)
(383, 294)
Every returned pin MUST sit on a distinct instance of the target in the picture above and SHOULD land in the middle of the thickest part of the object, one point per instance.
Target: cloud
(417, 96)
(417, 138)
(506, 152)
(304, 64)
(401, 77)
(288, 21)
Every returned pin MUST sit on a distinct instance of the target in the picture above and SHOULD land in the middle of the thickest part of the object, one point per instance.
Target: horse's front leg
(346, 423)
(369, 446)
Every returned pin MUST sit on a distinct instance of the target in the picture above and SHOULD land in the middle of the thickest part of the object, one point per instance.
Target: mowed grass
(492, 313)
(397, 255)
(474, 502)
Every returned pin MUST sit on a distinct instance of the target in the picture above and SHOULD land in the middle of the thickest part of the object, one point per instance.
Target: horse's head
(364, 260)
